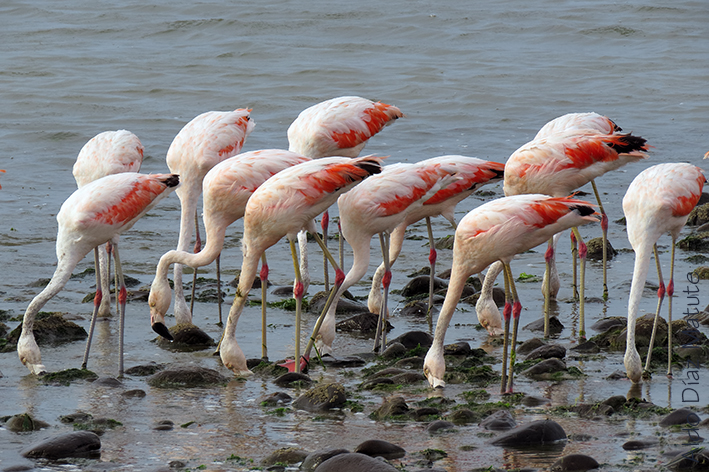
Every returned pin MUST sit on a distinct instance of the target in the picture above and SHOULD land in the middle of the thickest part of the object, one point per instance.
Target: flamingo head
(489, 315)
(633, 364)
(30, 355)
(434, 367)
(159, 302)
(233, 357)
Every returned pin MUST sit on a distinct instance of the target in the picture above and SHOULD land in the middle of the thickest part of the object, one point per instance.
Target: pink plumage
(110, 152)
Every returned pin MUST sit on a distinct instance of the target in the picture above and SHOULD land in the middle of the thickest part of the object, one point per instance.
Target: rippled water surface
(472, 78)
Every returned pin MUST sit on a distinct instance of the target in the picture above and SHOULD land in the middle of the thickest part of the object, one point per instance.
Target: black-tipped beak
(162, 330)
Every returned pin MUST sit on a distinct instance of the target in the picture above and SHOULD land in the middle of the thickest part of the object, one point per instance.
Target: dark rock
(354, 462)
(439, 426)
(286, 455)
(392, 407)
(321, 398)
(574, 462)
(408, 378)
(275, 399)
(372, 383)
(380, 448)
(462, 416)
(283, 291)
(394, 350)
(186, 377)
(413, 339)
(639, 444)
(592, 410)
(348, 361)
(421, 414)
(410, 363)
(361, 323)
(145, 369)
(74, 444)
(186, 338)
(316, 458)
(588, 347)
(461, 348)
(419, 285)
(548, 351)
(49, 329)
(595, 249)
(288, 379)
(388, 372)
(415, 309)
(548, 366)
(135, 393)
(501, 420)
(530, 345)
(109, 382)
(690, 459)
(164, 425)
(532, 402)
(699, 215)
(24, 422)
(344, 306)
(603, 325)
(616, 402)
(534, 433)
(680, 417)
(555, 326)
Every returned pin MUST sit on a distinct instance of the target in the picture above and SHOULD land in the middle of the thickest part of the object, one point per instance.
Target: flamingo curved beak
(162, 330)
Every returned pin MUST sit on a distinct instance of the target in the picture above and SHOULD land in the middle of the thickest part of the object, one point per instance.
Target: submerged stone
(534, 433)
(286, 455)
(548, 351)
(49, 329)
(574, 463)
(24, 422)
(439, 426)
(316, 458)
(355, 462)
(187, 377)
(555, 326)
(595, 249)
(413, 339)
(74, 444)
(681, 416)
(322, 398)
(290, 378)
(361, 323)
(420, 285)
(501, 420)
(392, 407)
(186, 337)
(380, 448)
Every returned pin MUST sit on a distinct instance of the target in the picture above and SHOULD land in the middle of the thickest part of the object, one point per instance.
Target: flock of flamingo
(279, 193)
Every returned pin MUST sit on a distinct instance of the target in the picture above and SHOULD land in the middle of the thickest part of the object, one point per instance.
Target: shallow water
(478, 80)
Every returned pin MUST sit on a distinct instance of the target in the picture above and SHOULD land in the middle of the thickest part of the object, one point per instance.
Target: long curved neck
(249, 268)
(453, 294)
(642, 263)
(61, 276)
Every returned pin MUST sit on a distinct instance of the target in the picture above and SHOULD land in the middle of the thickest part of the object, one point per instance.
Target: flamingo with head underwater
(497, 231)
(93, 215)
(201, 144)
(227, 188)
(658, 201)
(110, 152)
(340, 126)
(282, 206)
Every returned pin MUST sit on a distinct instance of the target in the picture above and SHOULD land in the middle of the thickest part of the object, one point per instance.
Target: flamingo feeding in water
(377, 206)
(227, 188)
(337, 127)
(658, 201)
(497, 231)
(282, 206)
(93, 215)
(559, 164)
(201, 144)
(472, 173)
(110, 152)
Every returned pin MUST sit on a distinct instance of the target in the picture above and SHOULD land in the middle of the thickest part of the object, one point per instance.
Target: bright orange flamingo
(471, 173)
(497, 231)
(227, 188)
(282, 206)
(200, 145)
(337, 127)
(93, 215)
(658, 201)
(110, 152)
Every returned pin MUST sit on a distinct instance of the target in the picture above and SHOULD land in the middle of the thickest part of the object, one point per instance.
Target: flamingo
(282, 206)
(202, 143)
(497, 231)
(658, 201)
(558, 165)
(472, 173)
(377, 206)
(340, 126)
(110, 152)
(93, 215)
(227, 188)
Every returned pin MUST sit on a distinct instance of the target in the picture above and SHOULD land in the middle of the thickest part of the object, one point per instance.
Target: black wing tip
(172, 180)
(584, 210)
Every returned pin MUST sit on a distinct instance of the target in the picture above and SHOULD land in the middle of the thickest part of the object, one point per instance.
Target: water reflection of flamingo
(93, 215)
(658, 201)
(337, 127)
(497, 231)
(110, 152)
(202, 143)
(227, 188)
(282, 206)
